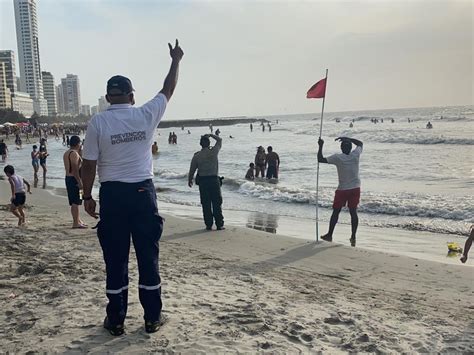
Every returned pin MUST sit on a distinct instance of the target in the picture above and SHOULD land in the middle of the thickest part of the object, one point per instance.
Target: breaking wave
(405, 204)
(397, 204)
(167, 174)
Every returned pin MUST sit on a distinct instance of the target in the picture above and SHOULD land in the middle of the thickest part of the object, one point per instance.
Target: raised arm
(218, 139)
(352, 140)
(321, 159)
(171, 80)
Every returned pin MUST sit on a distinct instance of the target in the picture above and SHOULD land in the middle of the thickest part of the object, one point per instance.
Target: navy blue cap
(119, 85)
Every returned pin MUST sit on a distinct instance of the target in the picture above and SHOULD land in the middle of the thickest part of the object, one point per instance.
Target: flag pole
(317, 169)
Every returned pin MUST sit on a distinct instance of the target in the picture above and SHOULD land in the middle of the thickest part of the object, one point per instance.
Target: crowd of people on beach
(39, 155)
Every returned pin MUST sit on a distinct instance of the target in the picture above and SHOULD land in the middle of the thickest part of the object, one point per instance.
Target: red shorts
(352, 197)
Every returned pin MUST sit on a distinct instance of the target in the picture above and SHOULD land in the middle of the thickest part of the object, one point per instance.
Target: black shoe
(353, 242)
(209, 228)
(221, 228)
(154, 326)
(327, 237)
(114, 330)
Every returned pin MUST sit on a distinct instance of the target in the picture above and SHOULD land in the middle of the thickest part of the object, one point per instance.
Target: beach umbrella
(9, 124)
(22, 124)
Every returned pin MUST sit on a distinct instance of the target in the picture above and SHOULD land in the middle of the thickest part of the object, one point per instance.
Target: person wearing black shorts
(72, 163)
(18, 199)
(272, 162)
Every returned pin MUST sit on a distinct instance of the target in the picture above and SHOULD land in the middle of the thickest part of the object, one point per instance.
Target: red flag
(318, 90)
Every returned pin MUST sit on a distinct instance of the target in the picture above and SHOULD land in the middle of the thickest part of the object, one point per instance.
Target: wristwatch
(86, 198)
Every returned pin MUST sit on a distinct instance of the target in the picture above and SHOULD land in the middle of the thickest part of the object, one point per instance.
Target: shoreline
(421, 245)
(239, 290)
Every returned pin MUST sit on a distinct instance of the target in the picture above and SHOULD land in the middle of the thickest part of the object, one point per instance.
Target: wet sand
(239, 290)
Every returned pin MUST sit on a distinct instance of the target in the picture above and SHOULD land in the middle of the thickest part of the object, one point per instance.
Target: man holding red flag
(348, 191)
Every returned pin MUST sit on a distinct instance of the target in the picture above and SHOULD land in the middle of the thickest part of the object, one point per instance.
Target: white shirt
(120, 140)
(18, 182)
(347, 168)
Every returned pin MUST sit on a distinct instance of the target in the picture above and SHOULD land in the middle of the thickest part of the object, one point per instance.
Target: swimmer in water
(154, 148)
(260, 158)
(250, 173)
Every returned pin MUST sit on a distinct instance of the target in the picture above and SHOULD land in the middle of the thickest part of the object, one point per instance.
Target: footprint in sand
(307, 337)
(337, 320)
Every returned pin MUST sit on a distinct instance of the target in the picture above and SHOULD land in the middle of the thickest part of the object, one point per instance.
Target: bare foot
(463, 258)
(327, 237)
(79, 226)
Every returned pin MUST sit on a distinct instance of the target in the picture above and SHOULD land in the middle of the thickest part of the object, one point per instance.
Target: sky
(254, 58)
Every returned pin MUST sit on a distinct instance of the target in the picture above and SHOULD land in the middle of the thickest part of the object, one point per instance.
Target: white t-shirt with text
(347, 168)
(120, 140)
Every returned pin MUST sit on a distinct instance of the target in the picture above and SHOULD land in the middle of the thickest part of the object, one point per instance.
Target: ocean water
(413, 178)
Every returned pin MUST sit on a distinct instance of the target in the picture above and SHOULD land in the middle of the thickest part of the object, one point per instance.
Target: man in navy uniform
(117, 143)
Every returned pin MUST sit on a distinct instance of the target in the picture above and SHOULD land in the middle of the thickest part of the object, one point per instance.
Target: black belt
(117, 183)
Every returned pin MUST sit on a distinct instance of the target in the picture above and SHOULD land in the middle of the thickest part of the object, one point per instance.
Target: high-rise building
(5, 96)
(103, 104)
(71, 94)
(94, 110)
(60, 99)
(28, 53)
(49, 92)
(8, 57)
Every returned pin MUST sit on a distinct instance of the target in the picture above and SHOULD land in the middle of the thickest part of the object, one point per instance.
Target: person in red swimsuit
(348, 191)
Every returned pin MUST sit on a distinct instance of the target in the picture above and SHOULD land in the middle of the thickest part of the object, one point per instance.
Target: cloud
(260, 57)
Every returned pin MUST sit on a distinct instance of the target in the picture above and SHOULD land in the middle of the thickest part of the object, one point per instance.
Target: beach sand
(239, 290)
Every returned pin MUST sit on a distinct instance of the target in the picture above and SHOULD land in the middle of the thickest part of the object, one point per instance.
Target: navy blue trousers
(130, 210)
